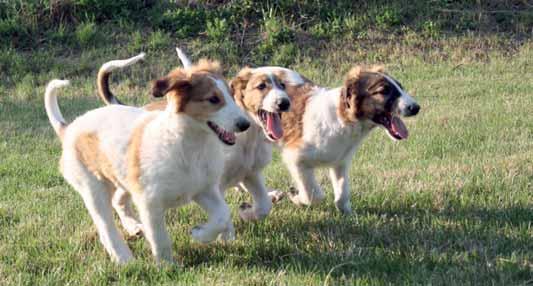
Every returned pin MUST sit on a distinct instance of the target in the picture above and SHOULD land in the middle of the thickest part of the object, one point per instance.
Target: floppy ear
(239, 83)
(351, 95)
(161, 86)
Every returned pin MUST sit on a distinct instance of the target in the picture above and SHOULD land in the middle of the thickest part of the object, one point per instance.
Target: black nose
(284, 104)
(243, 124)
(413, 109)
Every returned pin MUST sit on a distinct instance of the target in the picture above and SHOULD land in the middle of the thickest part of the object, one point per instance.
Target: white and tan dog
(261, 94)
(161, 159)
(325, 127)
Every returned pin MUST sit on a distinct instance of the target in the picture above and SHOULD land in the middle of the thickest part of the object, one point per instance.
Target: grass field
(452, 205)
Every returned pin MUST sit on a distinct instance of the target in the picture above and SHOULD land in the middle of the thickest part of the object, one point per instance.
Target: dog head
(201, 93)
(262, 94)
(370, 94)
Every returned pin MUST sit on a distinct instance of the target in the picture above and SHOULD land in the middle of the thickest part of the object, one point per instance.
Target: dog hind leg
(122, 204)
(96, 195)
(255, 185)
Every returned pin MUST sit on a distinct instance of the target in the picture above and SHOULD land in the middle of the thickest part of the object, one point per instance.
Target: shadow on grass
(393, 245)
(401, 244)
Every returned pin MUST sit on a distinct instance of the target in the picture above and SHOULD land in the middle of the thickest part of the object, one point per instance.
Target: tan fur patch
(360, 96)
(134, 156)
(292, 121)
(88, 151)
(191, 90)
(156, 105)
(246, 90)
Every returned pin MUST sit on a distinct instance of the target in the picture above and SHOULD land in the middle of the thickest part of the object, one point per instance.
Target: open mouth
(393, 124)
(271, 122)
(227, 137)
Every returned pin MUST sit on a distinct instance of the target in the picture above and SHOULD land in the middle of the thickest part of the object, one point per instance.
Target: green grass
(452, 205)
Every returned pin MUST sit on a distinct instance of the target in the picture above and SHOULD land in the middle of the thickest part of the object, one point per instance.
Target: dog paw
(276, 196)
(300, 200)
(227, 235)
(246, 212)
(344, 207)
(134, 231)
(200, 234)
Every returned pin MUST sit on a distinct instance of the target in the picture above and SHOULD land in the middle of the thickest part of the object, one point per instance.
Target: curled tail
(104, 73)
(183, 58)
(52, 108)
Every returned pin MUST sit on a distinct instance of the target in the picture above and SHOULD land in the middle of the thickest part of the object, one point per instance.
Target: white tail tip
(112, 65)
(185, 61)
(57, 83)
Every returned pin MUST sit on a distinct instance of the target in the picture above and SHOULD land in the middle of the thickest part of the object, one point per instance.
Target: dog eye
(261, 86)
(386, 90)
(214, 99)
(282, 85)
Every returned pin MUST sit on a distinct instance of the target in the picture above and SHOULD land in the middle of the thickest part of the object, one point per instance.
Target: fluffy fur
(257, 92)
(159, 159)
(325, 127)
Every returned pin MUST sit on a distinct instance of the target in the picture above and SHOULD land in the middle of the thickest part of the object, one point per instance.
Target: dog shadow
(391, 244)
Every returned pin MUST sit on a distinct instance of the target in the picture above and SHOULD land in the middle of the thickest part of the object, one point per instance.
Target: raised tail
(52, 108)
(104, 73)
(183, 58)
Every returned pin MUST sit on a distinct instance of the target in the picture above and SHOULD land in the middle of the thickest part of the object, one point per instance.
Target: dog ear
(351, 94)
(161, 86)
(238, 84)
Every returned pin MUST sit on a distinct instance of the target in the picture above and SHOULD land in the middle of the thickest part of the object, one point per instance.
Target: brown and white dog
(325, 127)
(160, 159)
(261, 94)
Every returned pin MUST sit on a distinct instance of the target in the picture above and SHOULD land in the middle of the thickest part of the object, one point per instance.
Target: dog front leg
(152, 216)
(309, 192)
(341, 189)
(255, 185)
(219, 217)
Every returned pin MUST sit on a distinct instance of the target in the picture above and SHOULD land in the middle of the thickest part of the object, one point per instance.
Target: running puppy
(325, 127)
(161, 159)
(261, 94)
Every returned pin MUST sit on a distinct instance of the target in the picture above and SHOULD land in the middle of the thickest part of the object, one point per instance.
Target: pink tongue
(274, 125)
(399, 128)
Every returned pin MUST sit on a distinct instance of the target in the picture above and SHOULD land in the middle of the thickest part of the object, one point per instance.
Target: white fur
(180, 161)
(50, 103)
(274, 96)
(119, 64)
(405, 99)
(116, 64)
(226, 116)
(292, 77)
(185, 61)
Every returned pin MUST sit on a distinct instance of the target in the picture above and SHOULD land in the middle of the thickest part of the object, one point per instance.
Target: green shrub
(431, 29)
(158, 40)
(86, 34)
(387, 18)
(184, 22)
(218, 30)
(285, 55)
